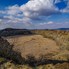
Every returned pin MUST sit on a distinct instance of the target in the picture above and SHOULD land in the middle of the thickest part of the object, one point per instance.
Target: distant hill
(0, 29)
(11, 29)
(11, 32)
(62, 29)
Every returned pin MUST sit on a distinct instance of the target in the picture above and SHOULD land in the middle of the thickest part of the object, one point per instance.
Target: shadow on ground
(33, 62)
(6, 50)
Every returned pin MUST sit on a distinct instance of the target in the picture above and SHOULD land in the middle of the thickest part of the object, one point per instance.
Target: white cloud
(38, 8)
(57, 1)
(0, 20)
(66, 10)
(35, 9)
(3, 12)
(50, 22)
(9, 17)
(67, 22)
(12, 10)
(12, 19)
(20, 15)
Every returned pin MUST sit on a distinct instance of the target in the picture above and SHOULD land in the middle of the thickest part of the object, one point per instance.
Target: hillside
(11, 32)
(48, 49)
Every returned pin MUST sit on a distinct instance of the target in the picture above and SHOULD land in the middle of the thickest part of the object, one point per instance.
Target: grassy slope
(62, 40)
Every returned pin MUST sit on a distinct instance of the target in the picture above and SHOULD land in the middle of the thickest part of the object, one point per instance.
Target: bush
(2, 60)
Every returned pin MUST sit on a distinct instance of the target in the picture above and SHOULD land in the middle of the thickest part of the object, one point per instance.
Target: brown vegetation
(58, 60)
(60, 37)
(33, 44)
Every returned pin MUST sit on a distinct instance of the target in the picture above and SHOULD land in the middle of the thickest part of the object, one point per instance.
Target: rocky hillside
(7, 52)
(59, 60)
(12, 32)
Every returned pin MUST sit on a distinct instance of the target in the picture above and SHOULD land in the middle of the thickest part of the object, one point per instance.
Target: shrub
(2, 60)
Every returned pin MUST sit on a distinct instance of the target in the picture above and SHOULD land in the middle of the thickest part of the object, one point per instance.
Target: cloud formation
(2, 17)
(57, 1)
(50, 22)
(3, 12)
(0, 20)
(38, 8)
(66, 10)
(33, 10)
(12, 10)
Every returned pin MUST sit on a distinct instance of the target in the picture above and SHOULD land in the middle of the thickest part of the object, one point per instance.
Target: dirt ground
(32, 44)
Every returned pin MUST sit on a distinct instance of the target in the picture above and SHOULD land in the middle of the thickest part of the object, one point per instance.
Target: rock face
(12, 32)
(7, 52)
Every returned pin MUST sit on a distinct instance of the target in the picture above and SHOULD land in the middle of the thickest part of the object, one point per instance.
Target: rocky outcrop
(7, 52)
(11, 32)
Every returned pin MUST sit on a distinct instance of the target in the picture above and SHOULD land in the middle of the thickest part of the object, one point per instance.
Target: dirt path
(32, 44)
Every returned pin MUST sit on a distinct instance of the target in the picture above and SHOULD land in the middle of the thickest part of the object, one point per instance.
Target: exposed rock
(7, 52)
(10, 32)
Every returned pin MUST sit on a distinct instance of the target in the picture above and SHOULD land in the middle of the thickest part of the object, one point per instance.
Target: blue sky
(34, 14)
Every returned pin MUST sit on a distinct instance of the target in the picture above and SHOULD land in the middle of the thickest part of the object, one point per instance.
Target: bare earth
(32, 44)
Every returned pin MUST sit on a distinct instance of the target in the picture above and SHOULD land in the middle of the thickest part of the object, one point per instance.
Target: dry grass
(33, 44)
(60, 37)
(38, 45)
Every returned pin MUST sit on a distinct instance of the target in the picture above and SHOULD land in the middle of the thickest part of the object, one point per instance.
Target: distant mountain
(0, 29)
(62, 29)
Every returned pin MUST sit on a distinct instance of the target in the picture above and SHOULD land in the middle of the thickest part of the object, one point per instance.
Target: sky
(34, 14)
